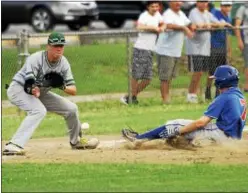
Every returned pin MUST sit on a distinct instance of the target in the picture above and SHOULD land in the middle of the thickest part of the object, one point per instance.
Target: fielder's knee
(40, 112)
(73, 109)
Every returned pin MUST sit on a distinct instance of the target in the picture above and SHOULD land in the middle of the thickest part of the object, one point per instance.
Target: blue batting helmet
(226, 76)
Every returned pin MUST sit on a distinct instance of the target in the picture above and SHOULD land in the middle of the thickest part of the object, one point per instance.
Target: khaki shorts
(167, 67)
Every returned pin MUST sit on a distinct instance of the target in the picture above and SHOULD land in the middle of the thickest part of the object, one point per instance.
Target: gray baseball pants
(210, 131)
(37, 108)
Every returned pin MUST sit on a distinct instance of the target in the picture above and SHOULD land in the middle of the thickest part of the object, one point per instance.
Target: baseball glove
(54, 80)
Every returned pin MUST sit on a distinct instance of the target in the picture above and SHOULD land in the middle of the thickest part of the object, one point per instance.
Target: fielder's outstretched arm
(203, 121)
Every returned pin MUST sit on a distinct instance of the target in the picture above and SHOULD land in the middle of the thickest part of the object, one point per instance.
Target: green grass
(123, 178)
(108, 117)
(102, 68)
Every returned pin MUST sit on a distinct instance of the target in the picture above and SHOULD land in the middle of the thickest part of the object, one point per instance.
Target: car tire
(4, 27)
(115, 23)
(42, 20)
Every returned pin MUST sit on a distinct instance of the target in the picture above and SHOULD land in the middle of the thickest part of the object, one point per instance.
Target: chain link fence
(101, 61)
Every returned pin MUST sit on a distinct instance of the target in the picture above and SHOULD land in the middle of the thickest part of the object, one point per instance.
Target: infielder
(30, 91)
(229, 110)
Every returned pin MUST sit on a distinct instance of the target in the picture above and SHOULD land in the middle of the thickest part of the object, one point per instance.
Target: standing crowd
(207, 45)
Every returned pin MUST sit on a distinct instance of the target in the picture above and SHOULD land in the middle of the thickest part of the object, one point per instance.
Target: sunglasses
(56, 41)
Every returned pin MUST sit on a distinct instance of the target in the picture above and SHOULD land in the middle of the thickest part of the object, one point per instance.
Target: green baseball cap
(56, 38)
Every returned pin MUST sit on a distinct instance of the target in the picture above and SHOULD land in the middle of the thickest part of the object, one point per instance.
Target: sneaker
(192, 98)
(129, 134)
(208, 94)
(13, 149)
(84, 143)
(125, 100)
(135, 100)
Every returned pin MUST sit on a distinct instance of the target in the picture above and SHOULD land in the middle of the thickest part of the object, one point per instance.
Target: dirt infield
(113, 149)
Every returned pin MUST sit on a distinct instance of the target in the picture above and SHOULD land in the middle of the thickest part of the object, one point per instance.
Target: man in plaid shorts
(150, 24)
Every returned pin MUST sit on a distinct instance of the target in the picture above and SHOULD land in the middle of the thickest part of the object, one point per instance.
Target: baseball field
(50, 164)
(116, 166)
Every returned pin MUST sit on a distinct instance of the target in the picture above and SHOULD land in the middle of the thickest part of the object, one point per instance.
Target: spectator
(242, 17)
(150, 24)
(220, 44)
(169, 45)
(198, 48)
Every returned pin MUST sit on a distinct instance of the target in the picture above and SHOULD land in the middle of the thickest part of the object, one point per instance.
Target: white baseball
(85, 126)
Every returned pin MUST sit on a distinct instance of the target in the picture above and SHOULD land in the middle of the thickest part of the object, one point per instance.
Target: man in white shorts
(229, 110)
(150, 23)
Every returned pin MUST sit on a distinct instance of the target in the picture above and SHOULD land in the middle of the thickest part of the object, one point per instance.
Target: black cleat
(129, 134)
(125, 100)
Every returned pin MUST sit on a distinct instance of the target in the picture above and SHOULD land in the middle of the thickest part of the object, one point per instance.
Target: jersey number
(243, 103)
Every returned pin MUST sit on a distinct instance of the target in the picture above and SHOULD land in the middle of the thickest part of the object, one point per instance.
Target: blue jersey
(229, 108)
(218, 37)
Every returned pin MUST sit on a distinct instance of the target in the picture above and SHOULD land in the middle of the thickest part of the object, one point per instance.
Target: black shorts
(218, 58)
(198, 63)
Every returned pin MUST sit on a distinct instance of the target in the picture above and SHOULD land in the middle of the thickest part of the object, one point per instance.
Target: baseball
(85, 126)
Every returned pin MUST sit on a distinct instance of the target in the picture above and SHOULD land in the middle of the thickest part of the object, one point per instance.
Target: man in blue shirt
(229, 110)
(220, 45)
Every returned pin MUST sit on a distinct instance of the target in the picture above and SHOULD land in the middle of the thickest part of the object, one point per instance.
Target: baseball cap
(226, 3)
(56, 38)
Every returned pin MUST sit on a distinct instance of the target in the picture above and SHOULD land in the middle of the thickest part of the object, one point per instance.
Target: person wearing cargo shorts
(149, 24)
(242, 17)
(28, 93)
(169, 46)
(198, 48)
(220, 45)
(167, 70)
